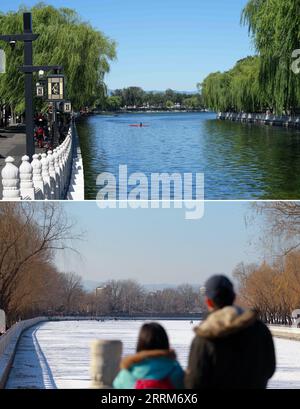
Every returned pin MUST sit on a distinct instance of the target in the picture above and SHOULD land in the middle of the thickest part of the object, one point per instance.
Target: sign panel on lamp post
(40, 91)
(67, 107)
(55, 89)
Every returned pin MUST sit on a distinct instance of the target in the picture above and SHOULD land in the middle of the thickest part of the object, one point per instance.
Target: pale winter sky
(160, 246)
(164, 44)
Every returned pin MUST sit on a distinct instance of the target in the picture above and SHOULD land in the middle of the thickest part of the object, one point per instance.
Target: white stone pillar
(65, 161)
(69, 161)
(57, 173)
(61, 170)
(105, 363)
(46, 177)
(26, 183)
(37, 177)
(52, 175)
(10, 180)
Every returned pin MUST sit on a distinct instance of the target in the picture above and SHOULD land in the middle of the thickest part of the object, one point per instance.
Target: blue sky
(159, 246)
(164, 44)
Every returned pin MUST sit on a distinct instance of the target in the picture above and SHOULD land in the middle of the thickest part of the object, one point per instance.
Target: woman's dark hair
(152, 336)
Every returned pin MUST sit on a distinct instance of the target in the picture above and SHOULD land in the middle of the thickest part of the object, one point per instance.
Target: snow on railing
(45, 178)
(8, 343)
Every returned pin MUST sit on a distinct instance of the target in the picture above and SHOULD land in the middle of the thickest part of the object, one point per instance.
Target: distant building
(99, 291)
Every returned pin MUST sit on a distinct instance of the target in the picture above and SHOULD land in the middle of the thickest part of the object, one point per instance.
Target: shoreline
(287, 121)
(149, 112)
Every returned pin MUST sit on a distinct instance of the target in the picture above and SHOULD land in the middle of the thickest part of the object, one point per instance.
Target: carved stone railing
(268, 119)
(46, 177)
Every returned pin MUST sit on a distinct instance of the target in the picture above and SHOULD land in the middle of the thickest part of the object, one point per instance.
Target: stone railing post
(63, 164)
(52, 175)
(57, 173)
(105, 363)
(10, 180)
(37, 177)
(61, 170)
(46, 177)
(26, 183)
(69, 159)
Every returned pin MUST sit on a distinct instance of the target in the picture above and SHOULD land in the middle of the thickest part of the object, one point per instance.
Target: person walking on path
(232, 347)
(154, 366)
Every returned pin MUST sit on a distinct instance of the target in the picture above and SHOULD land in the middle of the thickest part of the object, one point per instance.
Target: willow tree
(64, 39)
(216, 92)
(275, 29)
(245, 89)
(235, 90)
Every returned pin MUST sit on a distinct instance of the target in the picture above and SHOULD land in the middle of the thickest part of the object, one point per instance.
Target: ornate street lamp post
(28, 69)
(27, 37)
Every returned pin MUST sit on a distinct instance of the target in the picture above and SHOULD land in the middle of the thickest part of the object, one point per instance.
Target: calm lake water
(239, 161)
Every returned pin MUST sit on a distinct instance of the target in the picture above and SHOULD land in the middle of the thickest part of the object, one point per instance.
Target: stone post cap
(25, 158)
(9, 159)
(106, 342)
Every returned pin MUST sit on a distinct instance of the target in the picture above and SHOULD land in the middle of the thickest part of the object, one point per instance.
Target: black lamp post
(27, 37)
(28, 60)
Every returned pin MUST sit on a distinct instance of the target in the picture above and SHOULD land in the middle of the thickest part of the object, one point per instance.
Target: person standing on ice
(154, 366)
(232, 347)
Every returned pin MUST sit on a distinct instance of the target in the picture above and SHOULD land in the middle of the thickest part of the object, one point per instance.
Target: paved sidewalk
(12, 144)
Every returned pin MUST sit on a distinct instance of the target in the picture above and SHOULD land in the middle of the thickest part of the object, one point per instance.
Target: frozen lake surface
(57, 354)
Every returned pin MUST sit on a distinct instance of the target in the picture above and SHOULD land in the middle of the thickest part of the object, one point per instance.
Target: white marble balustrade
(46, 177)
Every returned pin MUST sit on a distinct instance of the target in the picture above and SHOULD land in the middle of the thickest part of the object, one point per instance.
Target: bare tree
(281, 225)
(273, 290)
(28, 235)
(72, 291)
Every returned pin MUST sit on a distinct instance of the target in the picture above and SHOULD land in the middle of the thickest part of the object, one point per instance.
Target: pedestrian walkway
(30, 368)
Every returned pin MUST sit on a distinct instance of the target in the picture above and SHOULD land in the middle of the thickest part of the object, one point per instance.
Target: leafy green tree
(64, 40)
(193, 102)
(235, 90)
(265, 81)
(216, 91)
(113, 103)
(275, 29)
(169, 104)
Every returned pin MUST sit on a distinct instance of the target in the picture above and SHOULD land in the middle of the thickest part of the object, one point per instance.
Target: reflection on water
(240, 161)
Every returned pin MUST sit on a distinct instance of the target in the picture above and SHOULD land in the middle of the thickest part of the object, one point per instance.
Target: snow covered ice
(57, 354)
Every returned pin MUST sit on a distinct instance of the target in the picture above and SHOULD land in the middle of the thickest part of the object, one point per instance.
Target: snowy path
(56, 354)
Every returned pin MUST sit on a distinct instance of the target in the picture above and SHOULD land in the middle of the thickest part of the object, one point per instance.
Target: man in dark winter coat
(232, 347)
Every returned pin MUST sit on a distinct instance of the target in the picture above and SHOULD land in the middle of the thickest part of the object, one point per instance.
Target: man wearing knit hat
(232, 347)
